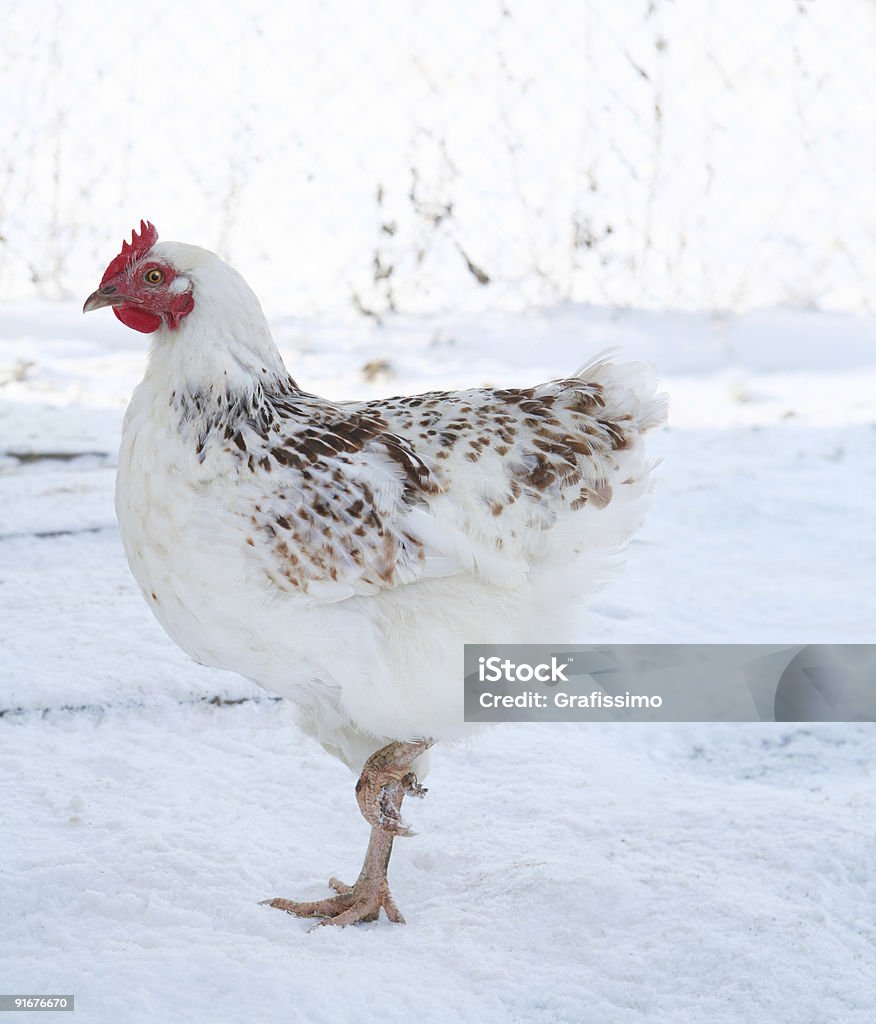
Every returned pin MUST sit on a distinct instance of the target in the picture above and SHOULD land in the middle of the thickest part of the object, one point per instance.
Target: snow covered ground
(562, 873)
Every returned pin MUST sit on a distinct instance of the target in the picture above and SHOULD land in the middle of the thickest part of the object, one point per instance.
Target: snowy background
(562, 873)
(378, 154)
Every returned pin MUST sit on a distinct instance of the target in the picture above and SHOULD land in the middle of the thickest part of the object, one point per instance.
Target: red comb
(138, 245)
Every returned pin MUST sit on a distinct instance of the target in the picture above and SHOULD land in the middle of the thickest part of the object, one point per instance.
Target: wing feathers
(347, 499)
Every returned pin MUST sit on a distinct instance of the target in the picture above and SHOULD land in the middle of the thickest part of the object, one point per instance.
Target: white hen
(341, 553)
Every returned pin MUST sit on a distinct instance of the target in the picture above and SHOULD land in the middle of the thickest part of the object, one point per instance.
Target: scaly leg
(382, 786)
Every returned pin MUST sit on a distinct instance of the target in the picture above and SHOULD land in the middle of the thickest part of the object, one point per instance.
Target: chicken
(341, 553)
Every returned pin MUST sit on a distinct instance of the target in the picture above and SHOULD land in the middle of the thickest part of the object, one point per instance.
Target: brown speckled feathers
(330, 488)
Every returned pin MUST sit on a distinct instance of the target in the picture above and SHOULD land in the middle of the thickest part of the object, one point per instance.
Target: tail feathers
(628, 389)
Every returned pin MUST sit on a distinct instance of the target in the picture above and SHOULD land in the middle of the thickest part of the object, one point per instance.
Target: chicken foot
(385, 781)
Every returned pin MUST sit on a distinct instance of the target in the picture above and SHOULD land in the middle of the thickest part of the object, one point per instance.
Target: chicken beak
(108, 296)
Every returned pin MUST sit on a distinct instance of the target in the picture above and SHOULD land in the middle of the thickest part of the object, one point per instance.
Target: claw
(388, 816)
(385, 781)
(412, 787)
(354, 903)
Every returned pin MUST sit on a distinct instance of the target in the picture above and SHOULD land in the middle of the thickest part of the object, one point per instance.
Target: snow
(562, 872)
(689, 154)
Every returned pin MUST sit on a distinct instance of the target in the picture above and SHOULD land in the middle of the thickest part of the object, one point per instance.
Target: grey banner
(670, 683)
(47, 1003)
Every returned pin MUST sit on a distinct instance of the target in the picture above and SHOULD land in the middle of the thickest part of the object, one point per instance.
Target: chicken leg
(385, 780)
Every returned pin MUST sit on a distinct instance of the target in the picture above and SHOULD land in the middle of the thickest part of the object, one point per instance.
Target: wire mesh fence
(377, 156)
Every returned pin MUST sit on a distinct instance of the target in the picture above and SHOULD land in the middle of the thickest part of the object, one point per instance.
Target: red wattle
(138, 319)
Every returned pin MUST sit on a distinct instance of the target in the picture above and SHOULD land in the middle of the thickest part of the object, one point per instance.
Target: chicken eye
(154, 276)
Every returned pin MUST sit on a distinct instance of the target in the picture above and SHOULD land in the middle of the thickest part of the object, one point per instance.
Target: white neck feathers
(224, 345)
